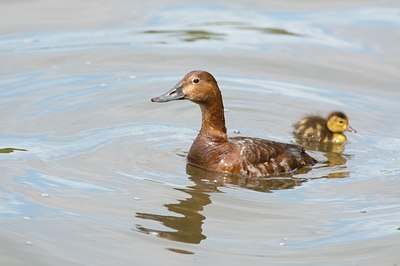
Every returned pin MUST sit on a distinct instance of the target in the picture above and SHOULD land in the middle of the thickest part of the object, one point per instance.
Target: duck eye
(340, 121)
(195, 80)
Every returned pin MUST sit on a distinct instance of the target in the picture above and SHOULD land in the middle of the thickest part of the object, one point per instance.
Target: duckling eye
(340, 121)
(195, 80)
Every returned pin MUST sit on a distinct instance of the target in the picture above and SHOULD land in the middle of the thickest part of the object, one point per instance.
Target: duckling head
(338, 122)
(197, 86)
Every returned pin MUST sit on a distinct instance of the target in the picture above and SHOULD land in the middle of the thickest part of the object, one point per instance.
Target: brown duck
(214, 151)
(315, 128)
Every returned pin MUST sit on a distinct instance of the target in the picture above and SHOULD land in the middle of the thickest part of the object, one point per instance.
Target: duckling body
(318, 129)
(214, 151)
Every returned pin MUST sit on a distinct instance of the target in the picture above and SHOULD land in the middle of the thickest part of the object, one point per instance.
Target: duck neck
(213, 120)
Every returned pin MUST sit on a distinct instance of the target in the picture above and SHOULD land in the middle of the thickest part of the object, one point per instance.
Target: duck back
(312, 128)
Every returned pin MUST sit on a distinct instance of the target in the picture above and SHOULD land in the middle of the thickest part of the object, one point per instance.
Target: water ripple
(210, 25)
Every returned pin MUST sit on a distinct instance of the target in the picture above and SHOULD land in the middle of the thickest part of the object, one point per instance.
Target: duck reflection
(187, 227)
(267, 184)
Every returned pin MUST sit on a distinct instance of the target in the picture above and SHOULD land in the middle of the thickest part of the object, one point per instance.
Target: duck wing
(260, 156)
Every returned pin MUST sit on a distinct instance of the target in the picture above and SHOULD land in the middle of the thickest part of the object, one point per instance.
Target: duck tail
(306, 159)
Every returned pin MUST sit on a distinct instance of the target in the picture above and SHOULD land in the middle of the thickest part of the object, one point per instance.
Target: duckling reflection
(334, 153)
(10, 150)
(324, 147)
(187, 227)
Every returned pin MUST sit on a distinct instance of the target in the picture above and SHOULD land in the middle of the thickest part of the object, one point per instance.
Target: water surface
(94, 173)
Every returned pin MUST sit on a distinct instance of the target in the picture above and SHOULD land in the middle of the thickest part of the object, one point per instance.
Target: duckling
(214, 151)
(318, 129)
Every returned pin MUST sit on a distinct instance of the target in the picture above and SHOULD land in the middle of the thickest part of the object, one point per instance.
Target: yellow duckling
(319, 129)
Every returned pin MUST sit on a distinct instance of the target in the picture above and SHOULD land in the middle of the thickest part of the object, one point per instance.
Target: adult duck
(214, 151)
(314, 128)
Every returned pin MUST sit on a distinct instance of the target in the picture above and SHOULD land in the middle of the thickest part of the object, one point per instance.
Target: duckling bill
(214, 151)
(318, 129)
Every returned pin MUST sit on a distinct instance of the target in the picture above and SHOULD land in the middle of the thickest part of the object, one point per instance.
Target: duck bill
(174, 94)
(350, 129)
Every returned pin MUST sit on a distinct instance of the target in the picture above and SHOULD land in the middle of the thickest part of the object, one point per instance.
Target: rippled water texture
(93, 173)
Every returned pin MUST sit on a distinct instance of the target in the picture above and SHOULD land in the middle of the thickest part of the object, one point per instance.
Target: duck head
(338, 122)
(197, 86)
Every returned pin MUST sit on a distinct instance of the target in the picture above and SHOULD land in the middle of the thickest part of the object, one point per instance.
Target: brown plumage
(214, 151)
(318, 129)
